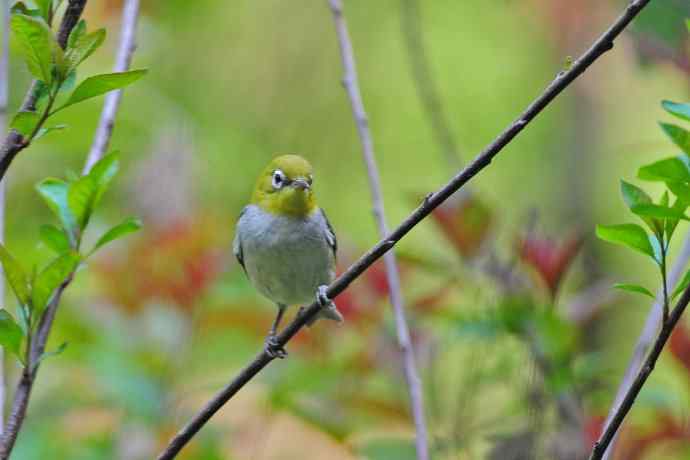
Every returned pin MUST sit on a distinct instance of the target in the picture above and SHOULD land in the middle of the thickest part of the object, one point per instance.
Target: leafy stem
(662, 267)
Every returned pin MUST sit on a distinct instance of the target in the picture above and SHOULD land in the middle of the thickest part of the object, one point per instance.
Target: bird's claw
(322, 297)
(273, 349)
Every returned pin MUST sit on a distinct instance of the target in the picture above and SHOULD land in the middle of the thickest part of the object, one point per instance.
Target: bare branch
(426, 87)
(130, 14)
(603, 44)
(645, 340)
(14, 142)
(4, 96)
(631, 394)
(38, 343)
(351, 84)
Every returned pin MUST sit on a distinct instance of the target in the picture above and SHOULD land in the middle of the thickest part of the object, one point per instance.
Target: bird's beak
(301, 184)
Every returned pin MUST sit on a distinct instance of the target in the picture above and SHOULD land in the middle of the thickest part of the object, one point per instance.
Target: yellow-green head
(284, 187)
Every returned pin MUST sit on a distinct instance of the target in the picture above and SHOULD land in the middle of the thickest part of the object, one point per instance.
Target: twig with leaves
(662, 219)
(351, 84)
(564, 78)
(73, 202)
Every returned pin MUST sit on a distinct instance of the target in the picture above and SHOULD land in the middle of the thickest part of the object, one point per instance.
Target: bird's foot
(328, 308)
(273, 348)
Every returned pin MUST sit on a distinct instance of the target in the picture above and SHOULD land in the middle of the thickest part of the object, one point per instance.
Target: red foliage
(550, 259)
(465, 221)
(175, 263)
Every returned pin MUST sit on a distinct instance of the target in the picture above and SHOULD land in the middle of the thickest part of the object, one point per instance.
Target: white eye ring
(278, 179)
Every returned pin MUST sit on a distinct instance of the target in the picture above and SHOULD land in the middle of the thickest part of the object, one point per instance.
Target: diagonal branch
(645, 371)
(603, 44)
(38, 344)
(14, 142)
(350, 82)
(4, 96)
(646, 339)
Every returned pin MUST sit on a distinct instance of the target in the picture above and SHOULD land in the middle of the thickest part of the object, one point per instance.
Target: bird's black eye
(310, 179)
(278, 179)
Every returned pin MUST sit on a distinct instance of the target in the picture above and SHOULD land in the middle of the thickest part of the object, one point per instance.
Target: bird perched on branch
(285, 243)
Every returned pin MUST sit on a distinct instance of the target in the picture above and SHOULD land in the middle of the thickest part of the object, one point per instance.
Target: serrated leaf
(54, 238)
(679, 136)
(658, 211)
(37, 44)
(55, 193)
(634, 288)
(51, 278)
(669, 169)
(15, 275)
(25, 122)
(83, 47)
(676, 109)
(100, 84)
(11, 334)
(128, 226)
(630, 235)
(684, 283)
(80, 199)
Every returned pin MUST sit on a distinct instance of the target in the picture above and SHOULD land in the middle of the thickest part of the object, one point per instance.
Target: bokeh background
(505, 273)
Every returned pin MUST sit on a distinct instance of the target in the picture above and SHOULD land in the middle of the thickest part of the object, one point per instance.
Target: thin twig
(426, 87)
(38, 344)
(4, 96)
(603, 44)
(646, 338)
(15, 142)
(130, 14)
(351, 84)
(631, 394)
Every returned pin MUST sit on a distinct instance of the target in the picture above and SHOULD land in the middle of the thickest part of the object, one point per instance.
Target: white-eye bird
(285, 243)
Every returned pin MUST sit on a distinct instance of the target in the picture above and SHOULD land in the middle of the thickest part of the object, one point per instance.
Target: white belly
(286, 258)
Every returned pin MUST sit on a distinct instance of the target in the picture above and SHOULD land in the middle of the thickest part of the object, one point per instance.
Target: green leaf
(21, 8)
(51, 278)
(55, 193)
(37, 44)
(43, 131)
(684, 283)
(630, 235)
(25, 122)
(101, 84)
(83, 47)
(676, 109)
(45, 7)
(658, 211)
(80, 199)
(49, 354)
(15, 275)
(128, 226)
(54, 238)
(633, 288)
(77, 33)
(679, 136)
(103, 172)
(633, 195)
(680, 190)
(10, 333)
(669, 169)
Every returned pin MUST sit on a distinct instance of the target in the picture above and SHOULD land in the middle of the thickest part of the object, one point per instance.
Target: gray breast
(286, 258)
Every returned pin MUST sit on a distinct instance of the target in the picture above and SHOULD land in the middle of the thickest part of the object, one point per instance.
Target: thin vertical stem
(4, 92)
(351, 84)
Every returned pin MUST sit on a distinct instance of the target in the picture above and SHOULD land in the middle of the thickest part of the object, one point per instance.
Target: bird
(285, 243)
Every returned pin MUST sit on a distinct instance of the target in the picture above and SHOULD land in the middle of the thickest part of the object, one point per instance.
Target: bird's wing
(330, 235)
(237, 243)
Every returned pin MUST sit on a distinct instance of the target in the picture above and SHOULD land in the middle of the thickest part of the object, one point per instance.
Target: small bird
(285, 243)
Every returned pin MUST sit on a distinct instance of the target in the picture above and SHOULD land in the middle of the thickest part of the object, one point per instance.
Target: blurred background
(505, 274)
